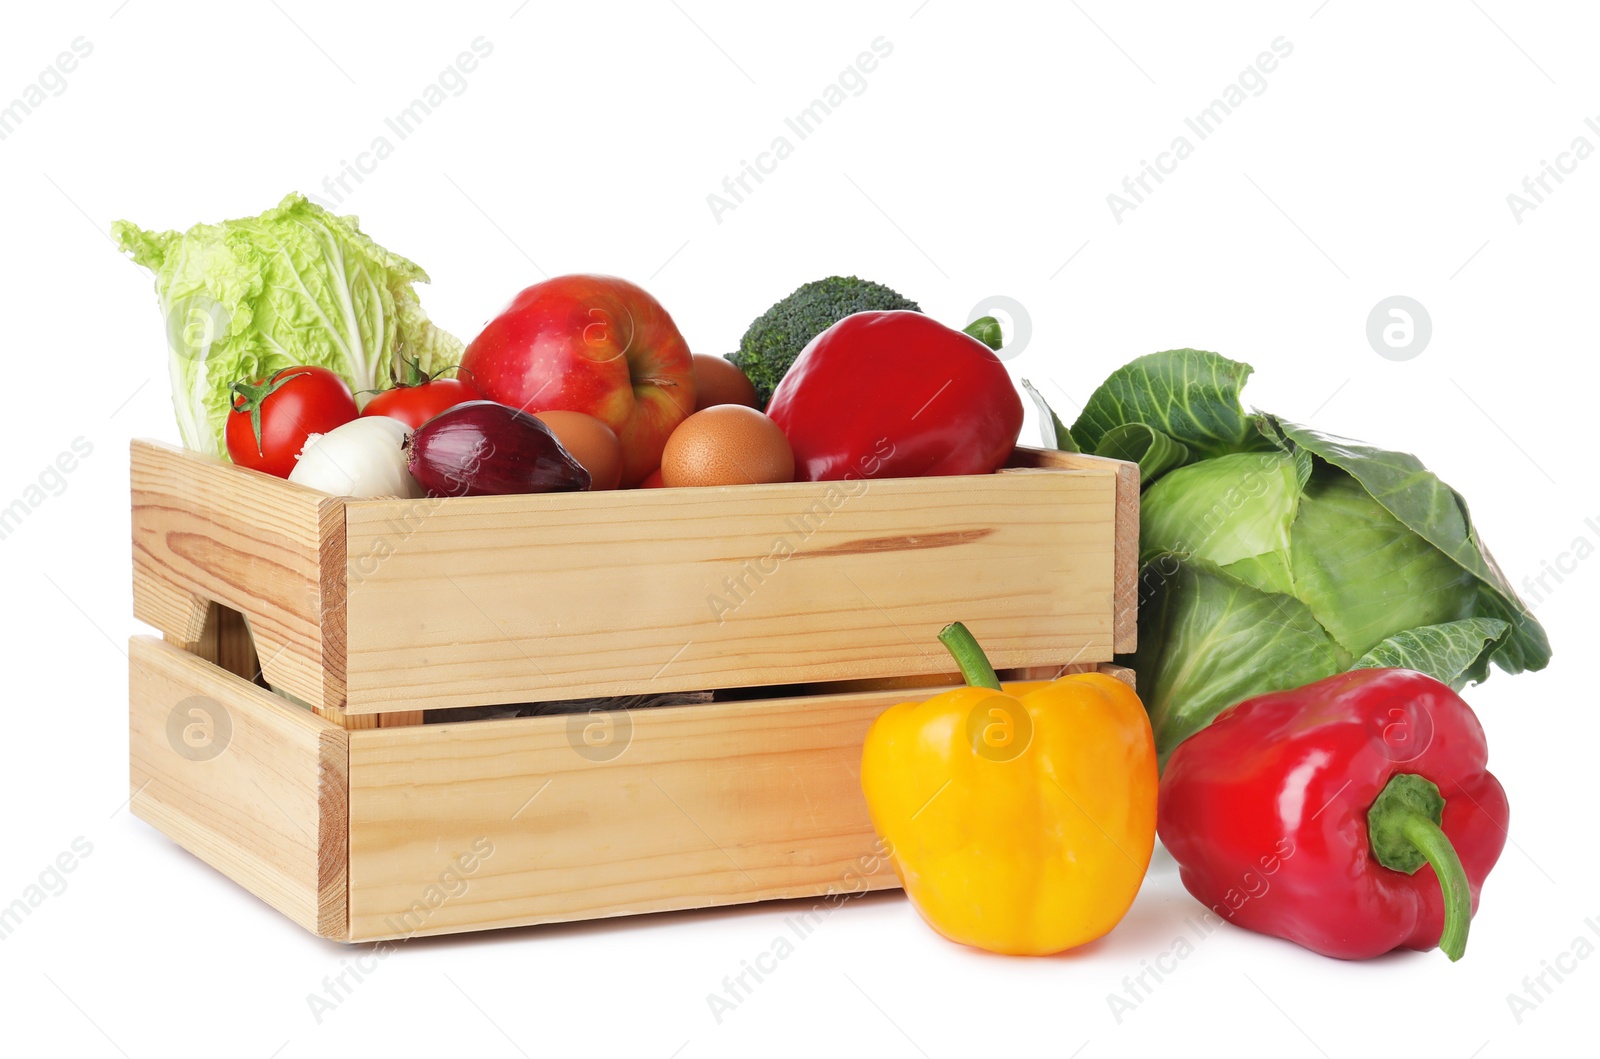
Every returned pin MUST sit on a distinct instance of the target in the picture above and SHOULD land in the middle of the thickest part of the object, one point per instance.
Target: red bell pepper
(896, 395)
(1351, 816)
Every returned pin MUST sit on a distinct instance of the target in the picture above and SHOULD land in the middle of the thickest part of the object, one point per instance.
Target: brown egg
(727, 444)
(590, 442)
(718, 380)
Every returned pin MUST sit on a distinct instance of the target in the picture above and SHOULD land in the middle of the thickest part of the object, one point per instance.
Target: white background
(977, 162)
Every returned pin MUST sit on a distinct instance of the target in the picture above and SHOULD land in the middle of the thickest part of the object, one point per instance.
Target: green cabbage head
(1273, 555)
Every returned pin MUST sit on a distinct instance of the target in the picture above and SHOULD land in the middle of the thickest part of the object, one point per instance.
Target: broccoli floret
(778, 335)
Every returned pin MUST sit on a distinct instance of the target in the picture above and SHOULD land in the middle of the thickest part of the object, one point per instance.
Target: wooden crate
(277, 731)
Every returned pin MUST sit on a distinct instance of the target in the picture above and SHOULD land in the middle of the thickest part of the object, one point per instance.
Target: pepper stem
(974, 664)
(1403, 828)
(986, 329)
(1431, 840)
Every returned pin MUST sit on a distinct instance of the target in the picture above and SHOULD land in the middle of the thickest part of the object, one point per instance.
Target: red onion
(484, 448)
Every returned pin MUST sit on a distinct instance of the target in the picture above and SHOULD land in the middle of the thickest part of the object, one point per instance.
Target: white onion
(362, 458)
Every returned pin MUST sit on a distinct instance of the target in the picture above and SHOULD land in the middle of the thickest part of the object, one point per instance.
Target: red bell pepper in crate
(896, 394)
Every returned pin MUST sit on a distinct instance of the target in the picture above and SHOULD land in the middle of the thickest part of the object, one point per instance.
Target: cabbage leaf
(1453, 653)
(1439, 515)
(1188, 395)
(1208, 640)
(295, 285)
(1274, 554)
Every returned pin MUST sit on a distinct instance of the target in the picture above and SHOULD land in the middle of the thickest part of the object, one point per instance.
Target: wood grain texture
(205, 531)
(1122, 673)
(225, 641)
(269, 810)
(946, 680)
(353, 721)
(1126, 599)
(478, 600)
(712, 804)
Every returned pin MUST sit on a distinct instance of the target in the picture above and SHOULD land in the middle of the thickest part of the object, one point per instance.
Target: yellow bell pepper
(1020, 819)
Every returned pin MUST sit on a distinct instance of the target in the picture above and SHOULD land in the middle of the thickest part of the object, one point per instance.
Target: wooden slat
(1025, 673)
(1122, 673)
(477, 600)
(707, 805)
(1126, 598)
(269, 810)
(225, 642)
(205, 531)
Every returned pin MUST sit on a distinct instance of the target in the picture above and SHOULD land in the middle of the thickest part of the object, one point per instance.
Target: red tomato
(271, 419)
(415, 405)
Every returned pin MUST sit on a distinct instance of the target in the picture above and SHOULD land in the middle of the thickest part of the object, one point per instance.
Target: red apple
(592, 344)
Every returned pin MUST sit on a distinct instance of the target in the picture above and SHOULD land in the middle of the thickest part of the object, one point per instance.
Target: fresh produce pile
(288, 331)
(295, 286)
(1309, 605)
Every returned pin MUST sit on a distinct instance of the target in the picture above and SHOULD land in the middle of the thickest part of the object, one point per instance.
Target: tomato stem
(415, 376)
(255, 394)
